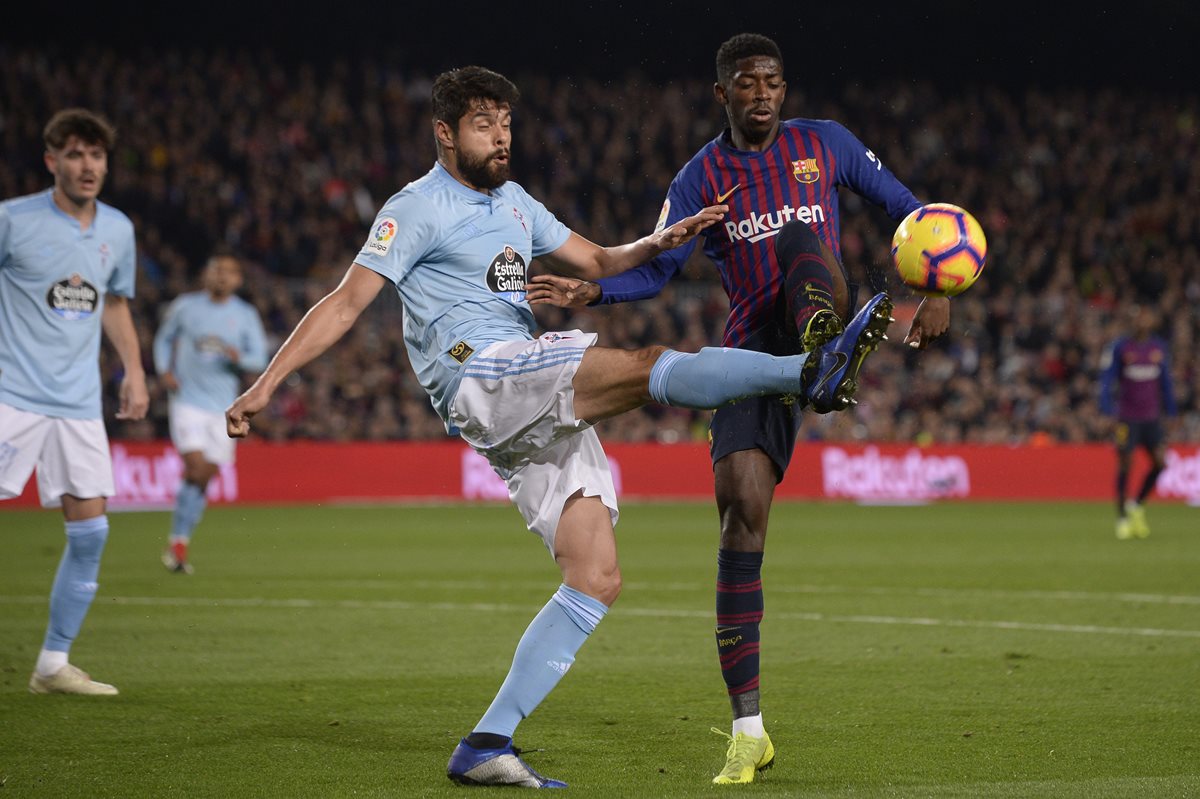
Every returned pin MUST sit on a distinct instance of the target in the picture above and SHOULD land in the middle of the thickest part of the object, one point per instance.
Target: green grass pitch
(1014, 650)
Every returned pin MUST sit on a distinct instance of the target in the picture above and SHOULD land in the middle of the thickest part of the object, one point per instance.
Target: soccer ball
(939, 250)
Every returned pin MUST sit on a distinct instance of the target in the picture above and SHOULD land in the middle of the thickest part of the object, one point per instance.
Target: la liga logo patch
(382, 235)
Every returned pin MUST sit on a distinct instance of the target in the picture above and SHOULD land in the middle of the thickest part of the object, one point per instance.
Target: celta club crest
(806, 170)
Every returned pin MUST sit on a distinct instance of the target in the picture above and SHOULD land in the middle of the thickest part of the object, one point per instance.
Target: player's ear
(720, 94)
(51, 162)
(443, 133)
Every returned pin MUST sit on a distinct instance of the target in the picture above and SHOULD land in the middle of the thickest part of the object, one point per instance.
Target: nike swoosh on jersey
(723, 197)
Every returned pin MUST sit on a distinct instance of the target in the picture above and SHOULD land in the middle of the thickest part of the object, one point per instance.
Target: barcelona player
(778, 254)
(1135, 388)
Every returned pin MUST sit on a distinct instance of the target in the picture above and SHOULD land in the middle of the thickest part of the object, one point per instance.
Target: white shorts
(197, 430)
(71, 456)
(516, 407)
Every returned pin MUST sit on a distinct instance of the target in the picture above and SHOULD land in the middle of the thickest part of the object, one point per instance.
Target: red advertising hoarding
(147, 474)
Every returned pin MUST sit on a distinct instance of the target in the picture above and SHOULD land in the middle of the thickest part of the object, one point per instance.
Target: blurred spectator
(1088, 199)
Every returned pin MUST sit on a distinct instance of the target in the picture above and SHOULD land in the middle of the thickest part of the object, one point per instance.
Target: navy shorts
(767, 423)
(1131, 435)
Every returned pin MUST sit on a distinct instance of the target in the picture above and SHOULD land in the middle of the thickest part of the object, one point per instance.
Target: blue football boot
(503, 766)
(831, 374)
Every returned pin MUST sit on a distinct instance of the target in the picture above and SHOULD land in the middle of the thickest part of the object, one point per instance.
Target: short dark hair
(91, 128)
(744, 45)
(453, 91)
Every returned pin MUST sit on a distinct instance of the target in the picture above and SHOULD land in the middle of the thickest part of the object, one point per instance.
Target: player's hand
(238, 415)
(169, 381)
(565, 292)
(687, 229)
(931, 321)
(134, 398)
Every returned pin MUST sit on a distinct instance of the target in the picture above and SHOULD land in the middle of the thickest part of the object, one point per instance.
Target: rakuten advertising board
(147, 474)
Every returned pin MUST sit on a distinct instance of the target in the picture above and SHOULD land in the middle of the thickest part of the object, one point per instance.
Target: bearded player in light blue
(67, 265)
(208, 339)
(456, 244)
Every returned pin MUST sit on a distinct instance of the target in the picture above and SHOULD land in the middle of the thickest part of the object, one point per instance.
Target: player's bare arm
(321, 327)
(931, 320)
(581, 258)
(117, 322)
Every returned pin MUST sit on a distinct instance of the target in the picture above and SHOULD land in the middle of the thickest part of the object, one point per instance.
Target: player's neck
(452, 169)
(84, 213)
(740, 142)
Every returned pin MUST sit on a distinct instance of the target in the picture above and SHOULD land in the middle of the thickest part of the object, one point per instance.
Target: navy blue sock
(1148, 483)
(807, 281)
(1122, 481)
(739, 612)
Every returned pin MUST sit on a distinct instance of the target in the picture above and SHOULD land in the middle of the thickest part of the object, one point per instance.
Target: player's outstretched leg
(832, 378)
(809, 284)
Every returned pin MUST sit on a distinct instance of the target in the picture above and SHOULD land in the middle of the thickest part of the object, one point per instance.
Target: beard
(483, 173)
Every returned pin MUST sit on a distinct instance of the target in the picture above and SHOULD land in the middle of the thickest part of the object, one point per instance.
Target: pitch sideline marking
(943, 593)
(361, 604)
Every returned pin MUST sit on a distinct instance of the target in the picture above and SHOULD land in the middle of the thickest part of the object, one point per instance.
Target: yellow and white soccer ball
(939, 250)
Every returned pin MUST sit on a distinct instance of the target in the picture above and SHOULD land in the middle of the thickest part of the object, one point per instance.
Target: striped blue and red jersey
(797, 177)
(1138, 373)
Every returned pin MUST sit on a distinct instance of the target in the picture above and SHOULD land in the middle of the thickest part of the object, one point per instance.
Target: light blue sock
(546, 651)
(189, 508)
(75, 584)
(715, 376)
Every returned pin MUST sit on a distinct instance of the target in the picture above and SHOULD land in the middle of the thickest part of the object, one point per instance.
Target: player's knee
(604, 585)
(744, 526)
(796, 238)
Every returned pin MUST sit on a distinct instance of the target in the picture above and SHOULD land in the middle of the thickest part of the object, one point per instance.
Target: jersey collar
(470, 195)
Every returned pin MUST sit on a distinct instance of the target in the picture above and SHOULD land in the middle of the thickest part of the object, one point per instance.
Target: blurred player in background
(1135, 388)
(778, 254)
(67, 268)
(207, 341)
(456, 244)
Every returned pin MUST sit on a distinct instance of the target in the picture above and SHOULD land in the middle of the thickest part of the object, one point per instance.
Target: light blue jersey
(192, 342)
(53, 279)
(459, 260)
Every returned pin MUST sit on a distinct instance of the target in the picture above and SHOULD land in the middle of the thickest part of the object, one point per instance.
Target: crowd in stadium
(1083, 195)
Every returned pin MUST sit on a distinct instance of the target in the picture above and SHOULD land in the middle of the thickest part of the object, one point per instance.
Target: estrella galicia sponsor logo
(506, 274)
(73, 298)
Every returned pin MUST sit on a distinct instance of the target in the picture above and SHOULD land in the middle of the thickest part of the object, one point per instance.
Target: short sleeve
(547, 232)
(405, 230)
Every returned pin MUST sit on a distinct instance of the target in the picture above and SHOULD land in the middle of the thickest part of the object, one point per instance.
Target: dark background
(1147, 46)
